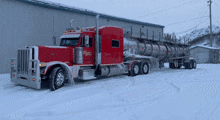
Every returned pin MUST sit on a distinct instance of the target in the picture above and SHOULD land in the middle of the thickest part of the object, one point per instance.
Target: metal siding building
(33, 22)
(205, 54)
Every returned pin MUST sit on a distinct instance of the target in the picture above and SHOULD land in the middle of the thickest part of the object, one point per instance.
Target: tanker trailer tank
(130, 47)
(145, 48)
(161, 51)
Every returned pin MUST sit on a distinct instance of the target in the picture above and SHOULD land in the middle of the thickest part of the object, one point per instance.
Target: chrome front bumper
(29, 77)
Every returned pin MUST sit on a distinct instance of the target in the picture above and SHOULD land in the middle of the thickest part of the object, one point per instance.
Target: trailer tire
(179, 66)
(144, 68)
(194, 64)
(57, 78)
(171, 65)
(191, 65)
(135, 69)
(186, 65)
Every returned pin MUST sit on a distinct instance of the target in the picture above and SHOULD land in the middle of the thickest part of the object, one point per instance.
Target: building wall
(219, 56)
(214, 56)
(202, 55)
(25, 24)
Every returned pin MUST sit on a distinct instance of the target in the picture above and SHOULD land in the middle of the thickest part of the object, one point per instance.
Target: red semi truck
(99, 51)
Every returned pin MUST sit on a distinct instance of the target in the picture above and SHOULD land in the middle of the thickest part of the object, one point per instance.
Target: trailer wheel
(135, 69)
(194, 64)
(57, 78)
(186, 65)
(171, 65)
(144, 68)
(179, 66)
(191, 65)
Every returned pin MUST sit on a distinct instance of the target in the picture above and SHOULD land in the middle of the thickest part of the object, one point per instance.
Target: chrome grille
(23, 61)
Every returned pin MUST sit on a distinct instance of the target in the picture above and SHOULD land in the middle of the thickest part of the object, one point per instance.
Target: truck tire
(135, 69)
(144, 68)
(57, 78)
(194, 64)
(188, 65)
(179, 66)
(191, 65)
(171, 65)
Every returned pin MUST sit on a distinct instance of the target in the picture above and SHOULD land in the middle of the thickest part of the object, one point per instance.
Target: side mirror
(87, 41)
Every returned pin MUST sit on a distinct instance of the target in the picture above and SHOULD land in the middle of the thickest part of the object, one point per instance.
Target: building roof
(52, 5)
(204, 47)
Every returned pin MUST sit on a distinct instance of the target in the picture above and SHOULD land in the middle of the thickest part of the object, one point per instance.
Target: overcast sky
(179, 16)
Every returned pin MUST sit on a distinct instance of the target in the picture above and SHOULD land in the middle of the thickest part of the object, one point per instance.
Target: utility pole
(210, 15)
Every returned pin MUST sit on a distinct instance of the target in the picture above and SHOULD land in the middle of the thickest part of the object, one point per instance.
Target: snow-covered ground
(166, 94)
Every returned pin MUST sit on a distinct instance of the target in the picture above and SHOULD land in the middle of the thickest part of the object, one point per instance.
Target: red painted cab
(111, 45)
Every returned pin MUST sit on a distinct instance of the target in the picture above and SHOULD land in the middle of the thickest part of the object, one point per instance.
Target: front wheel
(57, 78)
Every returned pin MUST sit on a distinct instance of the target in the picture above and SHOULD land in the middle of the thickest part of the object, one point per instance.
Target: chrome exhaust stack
(97, 44)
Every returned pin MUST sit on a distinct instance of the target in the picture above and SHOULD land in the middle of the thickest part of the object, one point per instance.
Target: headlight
(42, 64)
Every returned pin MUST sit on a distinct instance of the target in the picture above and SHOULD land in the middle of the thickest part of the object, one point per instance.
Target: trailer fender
(191, 58)
(63, 65)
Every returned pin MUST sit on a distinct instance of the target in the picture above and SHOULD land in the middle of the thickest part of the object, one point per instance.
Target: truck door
(88, 52)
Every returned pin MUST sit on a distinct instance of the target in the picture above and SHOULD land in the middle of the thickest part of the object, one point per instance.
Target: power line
(191, 28)
(185, 21)
(163, 10)
(216, 4)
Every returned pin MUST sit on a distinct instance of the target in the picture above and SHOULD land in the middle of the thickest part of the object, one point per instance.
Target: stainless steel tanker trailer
(158, 53)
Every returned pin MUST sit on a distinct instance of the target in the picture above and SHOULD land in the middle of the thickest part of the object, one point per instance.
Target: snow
(166, 94)
(203, 47)
(57, 4)
(200, 32)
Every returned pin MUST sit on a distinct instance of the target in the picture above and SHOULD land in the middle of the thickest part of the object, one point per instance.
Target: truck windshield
(69, 42)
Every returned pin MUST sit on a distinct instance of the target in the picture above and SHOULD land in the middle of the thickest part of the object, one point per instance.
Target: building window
(115, 43)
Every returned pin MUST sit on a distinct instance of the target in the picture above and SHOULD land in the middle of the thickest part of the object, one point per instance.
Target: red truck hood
(55, 53)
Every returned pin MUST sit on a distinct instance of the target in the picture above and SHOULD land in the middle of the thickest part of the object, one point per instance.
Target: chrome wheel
(136, 69)
(57, 78)
(194, 66)
(145, 68)
(60, 79)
